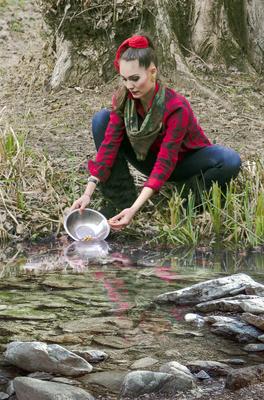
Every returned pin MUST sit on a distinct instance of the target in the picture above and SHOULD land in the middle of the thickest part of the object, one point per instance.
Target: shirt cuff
(154, 184)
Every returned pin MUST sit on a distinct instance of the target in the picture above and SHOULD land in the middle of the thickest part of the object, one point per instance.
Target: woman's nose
(129, 85)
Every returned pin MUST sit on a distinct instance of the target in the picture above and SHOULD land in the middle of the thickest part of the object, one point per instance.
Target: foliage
(234, 218)
(33, 194)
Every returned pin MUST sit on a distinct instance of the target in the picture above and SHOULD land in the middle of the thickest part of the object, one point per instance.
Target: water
(64, 294)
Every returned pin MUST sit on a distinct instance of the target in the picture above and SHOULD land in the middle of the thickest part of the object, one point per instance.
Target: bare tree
(86, 33)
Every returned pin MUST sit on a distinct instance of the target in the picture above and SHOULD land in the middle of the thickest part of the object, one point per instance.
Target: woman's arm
(123, 219)
(85, 199)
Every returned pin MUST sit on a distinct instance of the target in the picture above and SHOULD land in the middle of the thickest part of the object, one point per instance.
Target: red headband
(137, 42)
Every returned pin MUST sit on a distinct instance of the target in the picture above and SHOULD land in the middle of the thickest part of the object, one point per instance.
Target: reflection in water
(89, 280)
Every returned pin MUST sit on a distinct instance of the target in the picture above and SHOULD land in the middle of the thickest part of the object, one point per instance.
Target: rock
(184, 377)
(208, 290)
(92, 356)
(261, 338)
(234, 304)
(110, 380)
(254, 347)
(256, 320)
(195, 319)
(172, 353)
(213, 368)
(66, 381)
(113, 341)
(35, 356)
(233, 361)
(144, 363)
(202, 375)
(29, 388)
(44, 376)
(138, 383)
(10, 388)
(96, 325)
(257, 289)
(4, 396)
(233, 328)
(242, 377)
(254, 306)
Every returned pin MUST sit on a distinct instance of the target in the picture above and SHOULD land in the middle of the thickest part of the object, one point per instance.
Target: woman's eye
(134, 78)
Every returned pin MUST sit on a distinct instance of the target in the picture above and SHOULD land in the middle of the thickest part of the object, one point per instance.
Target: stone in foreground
(138, 383)
(34, 389)
(38, 356)
(209, 290)
(242, 377)
(183, 376)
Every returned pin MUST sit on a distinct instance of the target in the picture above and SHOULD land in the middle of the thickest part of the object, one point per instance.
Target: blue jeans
(211, 164)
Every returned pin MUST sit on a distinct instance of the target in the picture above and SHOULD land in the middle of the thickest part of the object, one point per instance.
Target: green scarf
(142, 138)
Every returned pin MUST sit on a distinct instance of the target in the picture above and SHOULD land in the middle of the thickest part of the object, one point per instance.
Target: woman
(153, 128)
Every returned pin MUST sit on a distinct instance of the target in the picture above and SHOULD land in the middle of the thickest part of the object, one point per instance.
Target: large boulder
(209, 290)
(38, 356)
(235, 304)
(35, 389)
(138, 383)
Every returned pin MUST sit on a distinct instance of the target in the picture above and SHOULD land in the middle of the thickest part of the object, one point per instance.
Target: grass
(34, 194)
(232, 219)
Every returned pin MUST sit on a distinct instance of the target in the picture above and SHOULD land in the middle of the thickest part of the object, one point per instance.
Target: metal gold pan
(89, 224)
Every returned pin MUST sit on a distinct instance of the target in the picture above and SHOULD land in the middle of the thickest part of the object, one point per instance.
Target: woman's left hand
(122, 219)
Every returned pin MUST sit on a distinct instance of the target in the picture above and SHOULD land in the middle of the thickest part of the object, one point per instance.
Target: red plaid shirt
(181, 133)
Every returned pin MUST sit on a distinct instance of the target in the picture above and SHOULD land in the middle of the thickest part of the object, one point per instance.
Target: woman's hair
(145, 57)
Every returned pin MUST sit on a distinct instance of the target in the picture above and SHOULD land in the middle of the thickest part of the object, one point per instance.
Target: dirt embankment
(231, 114)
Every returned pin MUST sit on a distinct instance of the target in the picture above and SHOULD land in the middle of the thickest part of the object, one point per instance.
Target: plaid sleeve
(105, 158)
(175, 131)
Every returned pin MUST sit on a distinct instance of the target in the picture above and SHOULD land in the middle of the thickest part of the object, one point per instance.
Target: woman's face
(138, 80)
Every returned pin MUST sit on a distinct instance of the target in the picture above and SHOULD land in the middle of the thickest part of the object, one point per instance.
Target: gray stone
(254, 347)
(92, 356)
(10, 388)
(29, 389)
(254, 306)
(257, 289)
(256, 320)
(261, 338)
(209, 290)
(233, 361)
(183, 376)
(202, 375)
(233, 328)
(110, 380)
(4, 396)
(35, 356)
(228, 304)
(238, 378)
(194, 319)
(138, 383)
(144, 362)
(213, 368)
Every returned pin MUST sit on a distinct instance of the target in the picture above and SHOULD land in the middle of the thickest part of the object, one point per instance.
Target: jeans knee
(231, 162)
(100, 120)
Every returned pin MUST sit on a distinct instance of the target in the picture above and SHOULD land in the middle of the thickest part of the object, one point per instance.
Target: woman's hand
(81, 203)
(122, 219)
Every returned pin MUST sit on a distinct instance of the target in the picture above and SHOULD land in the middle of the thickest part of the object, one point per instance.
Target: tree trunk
(87, 33)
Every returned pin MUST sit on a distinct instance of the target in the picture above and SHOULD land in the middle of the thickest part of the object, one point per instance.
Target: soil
(228, 103)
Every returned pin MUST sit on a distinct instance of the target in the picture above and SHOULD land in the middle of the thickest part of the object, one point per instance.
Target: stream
(100, 296)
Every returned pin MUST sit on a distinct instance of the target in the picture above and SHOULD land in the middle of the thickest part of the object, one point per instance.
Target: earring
(153, 78)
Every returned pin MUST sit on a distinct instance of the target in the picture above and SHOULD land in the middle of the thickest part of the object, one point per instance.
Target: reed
(34, 193)
(232, 219)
